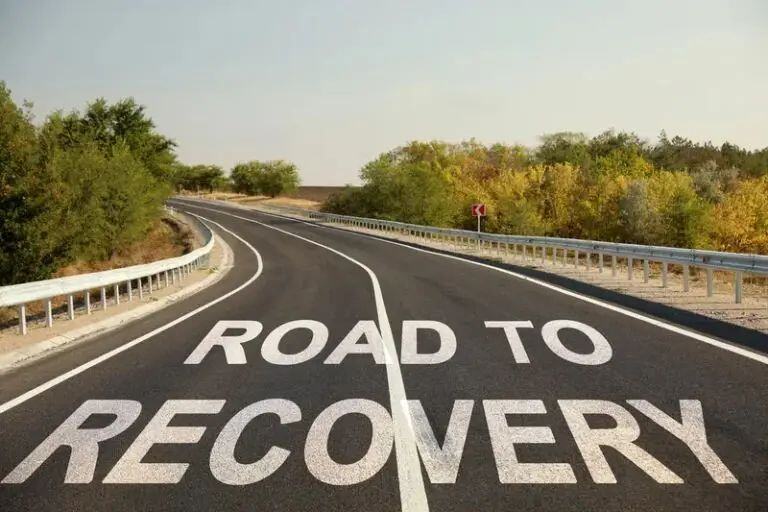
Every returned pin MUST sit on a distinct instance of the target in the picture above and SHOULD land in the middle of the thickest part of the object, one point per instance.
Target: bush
(271, 179)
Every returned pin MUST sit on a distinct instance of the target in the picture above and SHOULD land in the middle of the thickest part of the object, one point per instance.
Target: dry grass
(261, 200)
(166, 239)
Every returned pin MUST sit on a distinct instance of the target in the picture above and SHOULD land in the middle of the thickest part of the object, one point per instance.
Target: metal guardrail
(556, 248)
(147, 277)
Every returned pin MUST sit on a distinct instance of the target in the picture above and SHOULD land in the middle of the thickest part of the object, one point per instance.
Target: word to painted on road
(478, 210)
(506, 431)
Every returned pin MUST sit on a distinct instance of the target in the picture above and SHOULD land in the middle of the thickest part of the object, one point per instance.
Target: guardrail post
(614, 266)
(117, 294)
(543, 254)
(71, 307)
(48, 313)
(738, 279)
(589, 261)
(130, 290)
(166, 279)
(646, 271)
(600, 262)
(664, 271)
(554, 256)
(710, 282)
(141, 289)
(103, 298)
(630, 265)
(87, 302)
(22, 319)
(686, 278)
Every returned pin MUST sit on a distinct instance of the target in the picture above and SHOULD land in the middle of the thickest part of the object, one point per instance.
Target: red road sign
(478, 210)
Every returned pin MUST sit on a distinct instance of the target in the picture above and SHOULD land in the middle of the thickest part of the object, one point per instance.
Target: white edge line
(413, 497)
(122, 348)
(755, 356)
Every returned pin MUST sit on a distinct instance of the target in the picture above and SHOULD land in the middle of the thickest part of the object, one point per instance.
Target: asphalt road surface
(335, 371)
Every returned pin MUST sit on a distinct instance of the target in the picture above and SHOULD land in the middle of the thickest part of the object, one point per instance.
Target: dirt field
(262, 200)
(317, 194)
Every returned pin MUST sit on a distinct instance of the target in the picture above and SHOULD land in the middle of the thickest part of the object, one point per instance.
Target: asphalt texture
(335, 284)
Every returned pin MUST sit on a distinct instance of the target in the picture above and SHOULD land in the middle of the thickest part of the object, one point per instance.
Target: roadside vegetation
(612, 187)
(254, 178)
(85, 190)
(82, 186)
(271, 179)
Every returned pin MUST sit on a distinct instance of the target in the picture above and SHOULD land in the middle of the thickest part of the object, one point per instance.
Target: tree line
(270, 178)
(81, 186)
(612, 187)
(84, 185)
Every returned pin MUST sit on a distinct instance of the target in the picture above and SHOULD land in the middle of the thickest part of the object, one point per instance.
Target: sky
(331, 84)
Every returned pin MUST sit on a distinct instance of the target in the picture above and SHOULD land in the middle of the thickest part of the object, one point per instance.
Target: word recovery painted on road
(503, 422)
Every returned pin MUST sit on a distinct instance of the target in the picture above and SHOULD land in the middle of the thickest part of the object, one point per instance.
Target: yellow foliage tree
(742, 218)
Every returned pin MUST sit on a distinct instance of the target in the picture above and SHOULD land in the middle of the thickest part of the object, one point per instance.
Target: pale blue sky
(331, 84)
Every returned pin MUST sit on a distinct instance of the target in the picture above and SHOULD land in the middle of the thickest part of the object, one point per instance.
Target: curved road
(335, 371)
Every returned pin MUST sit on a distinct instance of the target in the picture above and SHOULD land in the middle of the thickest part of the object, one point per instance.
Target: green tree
(271, 178)
(23, 252)
(198, 178)
(278, 177)
(124, 123)
(245, 178)
(81, 186)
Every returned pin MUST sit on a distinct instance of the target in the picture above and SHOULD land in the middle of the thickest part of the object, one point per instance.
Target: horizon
(331, 87)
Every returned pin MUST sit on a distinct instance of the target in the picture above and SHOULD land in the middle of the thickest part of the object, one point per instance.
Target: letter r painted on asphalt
(84, 442)
(232, 344)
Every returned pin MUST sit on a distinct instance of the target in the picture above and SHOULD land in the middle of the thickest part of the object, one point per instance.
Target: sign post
(478, 210)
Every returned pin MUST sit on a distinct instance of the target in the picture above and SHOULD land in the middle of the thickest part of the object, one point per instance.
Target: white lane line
(122, 348)
(755, 356)
(413, 496)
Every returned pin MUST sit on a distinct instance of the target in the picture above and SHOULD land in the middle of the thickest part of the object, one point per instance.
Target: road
(441, 385)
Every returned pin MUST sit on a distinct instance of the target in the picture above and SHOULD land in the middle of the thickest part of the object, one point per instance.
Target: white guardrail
(583, 251)
(146, 278)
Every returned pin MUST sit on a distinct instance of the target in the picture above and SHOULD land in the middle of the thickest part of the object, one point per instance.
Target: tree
(23, 254)
(271, 178)
(245, 178)
(199, 177)
(278, 177)
(640, 223)
(82, 186)
(564, 147)
(110, 126)
(742, 218)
